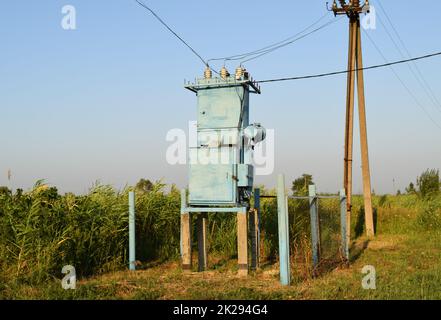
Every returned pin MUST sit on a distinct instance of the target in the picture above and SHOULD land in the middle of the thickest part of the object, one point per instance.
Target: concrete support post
(349, 127)
(369, 220)
(186, 251)
(242, 243)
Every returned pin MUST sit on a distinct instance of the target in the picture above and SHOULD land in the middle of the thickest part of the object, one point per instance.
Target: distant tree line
(427, 185)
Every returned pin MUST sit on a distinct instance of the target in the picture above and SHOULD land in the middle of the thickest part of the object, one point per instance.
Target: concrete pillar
(242, 243)
(186, 242)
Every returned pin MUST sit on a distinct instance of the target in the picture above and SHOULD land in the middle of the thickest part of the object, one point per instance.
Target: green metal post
(282, 210)
(254, 227)
(183, 206)
(132, 246)
(315, 225)
(259, 214)
(202, 241)
(343, 223)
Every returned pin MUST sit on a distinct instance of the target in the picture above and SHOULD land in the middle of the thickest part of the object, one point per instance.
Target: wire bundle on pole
(252, 55)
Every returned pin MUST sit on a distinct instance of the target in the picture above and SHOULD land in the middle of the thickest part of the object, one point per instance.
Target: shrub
(428, 183)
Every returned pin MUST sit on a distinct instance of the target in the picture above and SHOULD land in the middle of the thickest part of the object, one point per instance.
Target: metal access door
(212, 184)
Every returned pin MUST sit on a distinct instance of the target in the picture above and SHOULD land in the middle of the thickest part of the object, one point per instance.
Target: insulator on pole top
(239, 72)
(208, 73)
(224, 73)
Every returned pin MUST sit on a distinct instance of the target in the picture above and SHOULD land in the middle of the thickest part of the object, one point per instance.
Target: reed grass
(41, 230)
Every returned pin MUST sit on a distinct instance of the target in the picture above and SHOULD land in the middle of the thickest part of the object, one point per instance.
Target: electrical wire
(292, 41)
(258, 51)
(321, 75)
(402, 82)
(418, 74)
(271, 48)
(421, 83)
(142, 4)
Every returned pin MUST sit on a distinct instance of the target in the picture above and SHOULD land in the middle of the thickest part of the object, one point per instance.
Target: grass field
(406, 253)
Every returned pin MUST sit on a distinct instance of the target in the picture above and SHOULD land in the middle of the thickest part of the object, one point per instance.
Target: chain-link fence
(324, 245)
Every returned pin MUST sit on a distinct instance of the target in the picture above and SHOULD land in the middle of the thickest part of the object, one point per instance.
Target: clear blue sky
(96, 103)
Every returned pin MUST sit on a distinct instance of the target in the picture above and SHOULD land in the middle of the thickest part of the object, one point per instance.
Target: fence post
(132, 246)
(344, 226)
(255, 231)
(315, 225)
(186, 252)
(283, 221)
(242, 242)
(202, 241)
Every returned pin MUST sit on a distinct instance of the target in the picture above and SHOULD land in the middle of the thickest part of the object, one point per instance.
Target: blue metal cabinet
(219, 175)
(219, 108)
(212, 184)
(245, 175)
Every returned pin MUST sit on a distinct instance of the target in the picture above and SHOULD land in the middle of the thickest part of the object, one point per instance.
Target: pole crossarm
(351, 9)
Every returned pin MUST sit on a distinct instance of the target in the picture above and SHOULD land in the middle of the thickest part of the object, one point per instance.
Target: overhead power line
(292, 41)
(249, 56)
(415, 99)
(268, 49)
(321, 75)
(418, 74)
(261, 50)
(142, 4)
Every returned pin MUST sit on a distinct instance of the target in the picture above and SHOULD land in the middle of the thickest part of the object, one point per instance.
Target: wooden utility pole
(353, 9)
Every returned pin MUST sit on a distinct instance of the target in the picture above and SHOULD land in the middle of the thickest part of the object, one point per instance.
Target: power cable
(268, 49)
(420, 77)
(321, 75)
(403, 84)
(247, 54)
(292, 41)
(172, 31)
